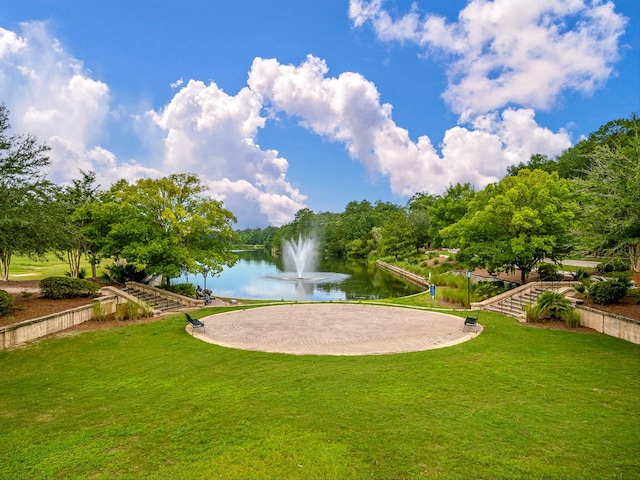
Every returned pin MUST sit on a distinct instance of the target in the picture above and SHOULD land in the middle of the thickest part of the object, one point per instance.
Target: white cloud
(504, 52)
(347, 109)
(211, 133)
(52, 96)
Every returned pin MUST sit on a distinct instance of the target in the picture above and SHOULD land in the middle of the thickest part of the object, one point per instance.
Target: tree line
(585, 201)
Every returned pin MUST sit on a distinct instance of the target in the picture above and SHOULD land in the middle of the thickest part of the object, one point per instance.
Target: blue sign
(432, 290)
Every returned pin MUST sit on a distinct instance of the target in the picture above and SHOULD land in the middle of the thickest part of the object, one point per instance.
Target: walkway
(334, 329)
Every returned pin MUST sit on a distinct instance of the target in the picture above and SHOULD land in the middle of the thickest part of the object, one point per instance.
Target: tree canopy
(516, 223)
(165, 226)
(26, 196)
(610, 200)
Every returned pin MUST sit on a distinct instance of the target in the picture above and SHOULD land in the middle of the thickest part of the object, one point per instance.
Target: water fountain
(300, 256)
(300, 260)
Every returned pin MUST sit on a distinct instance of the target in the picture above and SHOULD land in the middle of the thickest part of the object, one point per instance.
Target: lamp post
(205, 272)
(469, 288)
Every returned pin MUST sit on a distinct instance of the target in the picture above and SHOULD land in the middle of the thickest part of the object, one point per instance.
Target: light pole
(205, 272)
(469, 288)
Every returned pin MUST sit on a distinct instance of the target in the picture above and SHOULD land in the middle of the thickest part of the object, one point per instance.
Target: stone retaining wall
(28, 330)
(412, 277)
(610, 324)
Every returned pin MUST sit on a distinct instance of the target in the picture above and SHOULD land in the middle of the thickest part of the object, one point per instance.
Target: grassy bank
(150, 401)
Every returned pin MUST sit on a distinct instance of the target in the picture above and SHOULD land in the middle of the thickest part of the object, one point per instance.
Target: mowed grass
(25, 268)
(150, 401)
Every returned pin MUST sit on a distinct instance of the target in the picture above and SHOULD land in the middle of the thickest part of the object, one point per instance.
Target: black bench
(471, 321)
(195, 323)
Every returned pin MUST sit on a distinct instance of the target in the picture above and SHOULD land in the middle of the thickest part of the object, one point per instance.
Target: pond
(259, 276)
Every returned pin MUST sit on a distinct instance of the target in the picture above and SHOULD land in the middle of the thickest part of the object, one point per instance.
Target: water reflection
(253, 278)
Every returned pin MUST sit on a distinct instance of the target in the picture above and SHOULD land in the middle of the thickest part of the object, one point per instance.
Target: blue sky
(287, 104)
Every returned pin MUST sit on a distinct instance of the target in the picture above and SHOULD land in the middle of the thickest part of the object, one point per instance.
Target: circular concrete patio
(334, 329)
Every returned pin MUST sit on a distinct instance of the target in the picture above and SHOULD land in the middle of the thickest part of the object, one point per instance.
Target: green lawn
(150, 401)
(25, 268)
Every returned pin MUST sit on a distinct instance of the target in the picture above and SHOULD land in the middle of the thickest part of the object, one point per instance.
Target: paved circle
(334, 329)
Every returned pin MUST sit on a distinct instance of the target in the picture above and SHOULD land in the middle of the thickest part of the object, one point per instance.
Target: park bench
(471, 321)
(195, 323)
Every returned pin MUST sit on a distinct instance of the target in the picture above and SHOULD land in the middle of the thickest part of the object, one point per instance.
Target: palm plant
(555, 304)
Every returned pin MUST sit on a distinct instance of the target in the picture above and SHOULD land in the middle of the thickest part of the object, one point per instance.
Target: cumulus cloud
(52, 96)
(207, 131)
(510, 53)
(202, 130)
(347, 109)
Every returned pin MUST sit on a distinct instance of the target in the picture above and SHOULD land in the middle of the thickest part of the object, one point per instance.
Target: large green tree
(397, 235)
(27, 225)
(449, 208)
(516, 223)
(165, 226)
(75, 239)
(420, 208)
(610, 200)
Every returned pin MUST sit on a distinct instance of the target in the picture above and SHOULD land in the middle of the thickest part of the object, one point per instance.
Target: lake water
(259, 276)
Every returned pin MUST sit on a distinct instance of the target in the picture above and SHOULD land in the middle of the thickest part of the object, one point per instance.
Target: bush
(533, 313)
(131, 311)
(635, 293)
(548, 271)
(98, 312)
(185, 289)
(66, 287)
(82, 273)
(580, 274)
(121, 274)
(607, 291)
(613, 265)
(554, 304)
(572, 318)
(121, 312)
(6, 303)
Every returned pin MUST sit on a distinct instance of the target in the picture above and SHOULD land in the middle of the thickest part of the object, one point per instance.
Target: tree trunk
(74, 256)
(634, 256)
(5, 260)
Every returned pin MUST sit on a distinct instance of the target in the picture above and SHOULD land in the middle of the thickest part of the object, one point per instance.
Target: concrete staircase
(162, 301)
(512, 303)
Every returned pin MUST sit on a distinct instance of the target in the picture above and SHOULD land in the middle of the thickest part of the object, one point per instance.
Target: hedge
(67, 287)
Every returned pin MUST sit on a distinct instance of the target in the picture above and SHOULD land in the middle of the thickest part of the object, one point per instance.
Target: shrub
(186, 289)
(131, 311)
(554, 304)
(635, 293)
(580, 274)
(121, 311)
(454, 295)
(608, 291)
(548, 271)
(613, 265)
(6, 303)
(572, 318)
(583, 288)
(118, 273)
(533, 313)
(66, 287)
(98, 312)
(82, 273)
